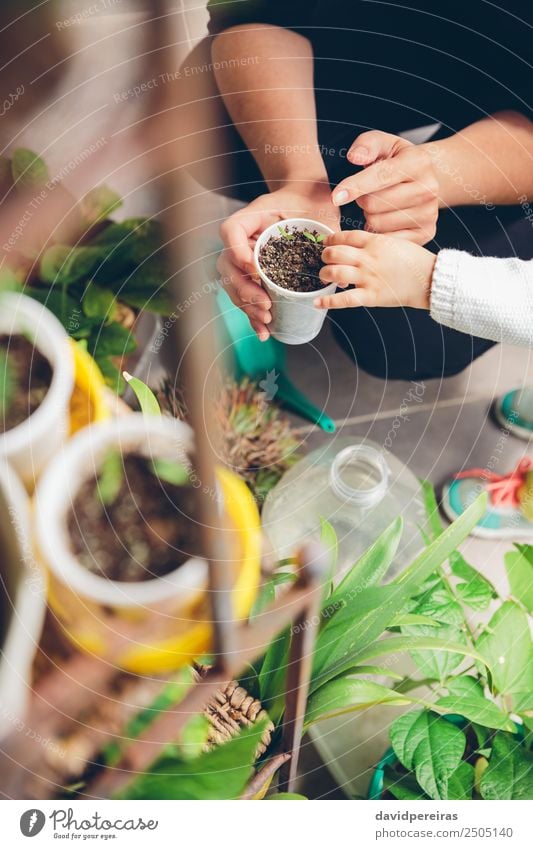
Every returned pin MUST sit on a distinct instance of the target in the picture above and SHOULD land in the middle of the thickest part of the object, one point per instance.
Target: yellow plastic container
(151, 626)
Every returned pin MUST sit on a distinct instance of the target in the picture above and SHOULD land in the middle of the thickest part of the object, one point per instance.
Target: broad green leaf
(396, 645)
(274, 672)
(344, 695)
(219, 774)
(506, 643)
(99, 203)
(140, 238)
(401, 786)
(112, 340)
(437, 663)
(147, 400)
(439, 605)
(412, 619)
(372, 565)
(509, 774)
(475, 590)
(28, 169)
(430, 746)
(466, 697)
(66, 308)
(66, 265)
(99, 303)
(461, 782)
(54, 264)
(110, 477)
(158, 301)
(153, 274)
(519, 568)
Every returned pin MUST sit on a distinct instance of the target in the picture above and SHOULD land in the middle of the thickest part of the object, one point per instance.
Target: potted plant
(104, 280)
(22, 601)
(36, 382)
(116, 527)
(472, 737)
(288, 260)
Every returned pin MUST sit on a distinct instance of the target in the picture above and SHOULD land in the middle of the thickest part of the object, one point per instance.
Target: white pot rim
(59, 485)
(272, 229)
(20, 313)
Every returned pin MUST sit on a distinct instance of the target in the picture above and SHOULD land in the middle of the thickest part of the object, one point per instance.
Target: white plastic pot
(294, 318)
(22, 591)
(29, 446)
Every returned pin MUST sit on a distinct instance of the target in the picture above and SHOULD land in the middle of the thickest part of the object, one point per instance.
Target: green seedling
(285, 233)
(110, 478)
(312, 237)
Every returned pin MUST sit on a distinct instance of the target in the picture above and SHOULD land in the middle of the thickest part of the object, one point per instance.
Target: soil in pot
(293, 259)
(132, 524)
(25, 378)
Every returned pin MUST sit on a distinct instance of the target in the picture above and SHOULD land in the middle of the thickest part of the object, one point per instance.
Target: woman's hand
(387, 272)
(239, 234)
(398, 189)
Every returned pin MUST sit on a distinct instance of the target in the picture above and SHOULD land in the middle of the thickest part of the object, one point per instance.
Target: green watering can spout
(257, 359)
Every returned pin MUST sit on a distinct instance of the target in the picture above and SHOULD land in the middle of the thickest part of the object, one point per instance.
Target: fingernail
(317, 302)
(340, 198)
(263, 336)
(359, 153)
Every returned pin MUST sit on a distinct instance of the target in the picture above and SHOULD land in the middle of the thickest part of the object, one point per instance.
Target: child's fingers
(341, 255)
(342, 275)
(354, 238)
(343, 300)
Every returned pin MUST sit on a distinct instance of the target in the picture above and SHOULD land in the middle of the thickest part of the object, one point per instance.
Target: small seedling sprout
(312, 238)
(147, 401)
(110, 477)
(7, 383)
(285, 233)
(170, 471)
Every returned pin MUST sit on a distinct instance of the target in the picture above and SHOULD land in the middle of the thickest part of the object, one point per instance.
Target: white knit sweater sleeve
(484, 296)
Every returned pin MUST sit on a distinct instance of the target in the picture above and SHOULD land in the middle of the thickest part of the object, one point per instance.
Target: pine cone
(229, 710)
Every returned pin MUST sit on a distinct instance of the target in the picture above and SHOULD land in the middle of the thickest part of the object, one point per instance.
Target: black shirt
(398, 65)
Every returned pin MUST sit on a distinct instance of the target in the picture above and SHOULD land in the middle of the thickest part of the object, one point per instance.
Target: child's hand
(388, 272)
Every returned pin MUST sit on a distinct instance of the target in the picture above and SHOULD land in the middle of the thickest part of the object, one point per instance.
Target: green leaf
(343, 695)
(329, 540)
(372, 565)
(28, 169)
(138, 238)
(267, 593)
(507, 645)
(110, 477)
(401, 786)
(99, 203)
(66, 308)
(67, 265)
(158, 301)
(519, 568)
(309, 236)
(147, 400)
(99, 303)
(9, 282)
(396, 645)
(273, 674)
(285, 233)
(170, 472)
(439, 604)
(432, 509)
(461, 782)
(509, 774)
(374, 670)
(412, 619)
(194, 736)
(219, 774)
(111, 374)
(286, 797)
(430, 746)
(466, 697)
(437, 663)
(476, 591)
(113, 340)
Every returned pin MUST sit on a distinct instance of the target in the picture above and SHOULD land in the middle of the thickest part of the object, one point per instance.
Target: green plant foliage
(219, 774)
(466, 697)
(147, 401)
(170, 472)
(506, 643)
(346, 694)
(110, 477)
(99, 303)
(519, 568)
(509, 774)
(285, 233)
(7, 383)
(429, 746)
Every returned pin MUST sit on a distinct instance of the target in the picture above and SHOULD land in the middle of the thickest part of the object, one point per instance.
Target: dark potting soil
(147, 531)
(25, 379)
(293, 260)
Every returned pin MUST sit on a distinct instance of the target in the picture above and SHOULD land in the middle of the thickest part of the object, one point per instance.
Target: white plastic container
(294, 318)
(23, 605)
(29, 446)
(356, 486)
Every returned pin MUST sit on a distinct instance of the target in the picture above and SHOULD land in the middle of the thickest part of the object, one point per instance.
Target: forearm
(484, 296)
(265, 75)
(489, 162)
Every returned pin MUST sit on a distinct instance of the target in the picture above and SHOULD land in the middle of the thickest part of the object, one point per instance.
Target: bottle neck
(359, 474)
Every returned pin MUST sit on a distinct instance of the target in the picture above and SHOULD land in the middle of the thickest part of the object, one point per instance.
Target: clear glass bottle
(359, 488)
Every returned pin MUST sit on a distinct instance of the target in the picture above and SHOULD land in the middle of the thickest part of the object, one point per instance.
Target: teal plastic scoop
(265, 360)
